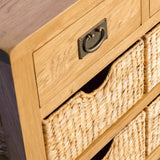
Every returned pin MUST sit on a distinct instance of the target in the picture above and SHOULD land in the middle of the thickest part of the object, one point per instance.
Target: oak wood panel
(99, 143)
(155, 155)
(154, 6)
(19, 19)
(22, 54)
(57, 63)
(24, 77)
(91, 71)
(28, 105)
(9, 112)
(145, 10)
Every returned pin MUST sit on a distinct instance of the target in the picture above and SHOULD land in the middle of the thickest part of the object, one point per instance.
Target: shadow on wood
(9, 113)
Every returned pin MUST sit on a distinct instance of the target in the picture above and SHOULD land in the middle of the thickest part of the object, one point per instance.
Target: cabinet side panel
(27, 102)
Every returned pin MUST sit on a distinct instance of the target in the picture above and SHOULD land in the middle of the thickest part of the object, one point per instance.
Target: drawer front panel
(154, 6)
(57, 63)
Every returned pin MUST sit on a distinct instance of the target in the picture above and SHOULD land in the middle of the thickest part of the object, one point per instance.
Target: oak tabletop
(20, 18)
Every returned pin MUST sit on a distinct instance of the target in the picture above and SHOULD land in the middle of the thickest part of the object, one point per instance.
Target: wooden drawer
(154, 6)
(57, 63)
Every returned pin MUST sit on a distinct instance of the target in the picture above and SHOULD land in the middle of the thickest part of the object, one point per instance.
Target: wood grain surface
(99, 65)
(19, 19)
(155, 154)
(24, 73)
(24, 76)
(145, 10)
(9, 112)
(154, 6)
(57, 63)
(28, 104)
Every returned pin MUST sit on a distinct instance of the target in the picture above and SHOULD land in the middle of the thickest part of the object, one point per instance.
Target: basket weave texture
(71, 129)
(152, 58)
(129, 144)
(153, 126)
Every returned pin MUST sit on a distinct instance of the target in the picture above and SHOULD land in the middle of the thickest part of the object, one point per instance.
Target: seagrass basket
(153, 126)
(152, 58)
(85, 116)
(130, 142)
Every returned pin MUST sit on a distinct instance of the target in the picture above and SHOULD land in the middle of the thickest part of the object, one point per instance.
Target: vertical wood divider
(28, 103)
(145, 10)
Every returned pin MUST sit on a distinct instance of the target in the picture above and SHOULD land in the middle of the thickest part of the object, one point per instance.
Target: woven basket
(71, 129)
(152, 58)
(129, 144)
(153, 126)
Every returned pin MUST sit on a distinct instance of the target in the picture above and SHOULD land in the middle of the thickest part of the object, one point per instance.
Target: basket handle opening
(101, 154)
(96, 81)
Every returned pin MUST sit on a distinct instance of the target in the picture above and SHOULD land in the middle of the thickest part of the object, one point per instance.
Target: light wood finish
(145, 10)
(155, 155)
(28, 105)
(23, 70)
(90, 72)
(57, 64)
(98, 144)
(154, 6)
(24, 75)
(19, 19)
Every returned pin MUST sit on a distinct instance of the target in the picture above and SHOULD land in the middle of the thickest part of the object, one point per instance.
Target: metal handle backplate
(93, 39)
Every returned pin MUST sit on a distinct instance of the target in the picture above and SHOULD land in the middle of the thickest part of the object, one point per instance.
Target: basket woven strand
(153, 126)
(152, 58)
(129, 144)
(83, 118)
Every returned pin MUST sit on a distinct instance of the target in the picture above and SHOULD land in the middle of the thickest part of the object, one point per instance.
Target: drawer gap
(103, 152)
(96, 81)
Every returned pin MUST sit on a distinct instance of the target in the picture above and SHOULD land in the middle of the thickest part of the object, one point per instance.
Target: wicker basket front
(152, 58)
(71, 129)
(153, 126)
(129, 144)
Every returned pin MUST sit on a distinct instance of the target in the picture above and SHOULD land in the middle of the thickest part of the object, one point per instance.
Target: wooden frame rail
(99, 143)
(155, 154)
